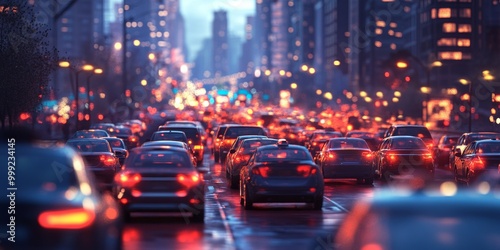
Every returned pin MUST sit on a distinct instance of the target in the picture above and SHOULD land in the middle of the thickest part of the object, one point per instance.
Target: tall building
(220, 44)
(247, 63)
(203, 61)
(355, 49)
(262, 34)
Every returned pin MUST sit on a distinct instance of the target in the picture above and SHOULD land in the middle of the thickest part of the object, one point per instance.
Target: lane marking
(230, 237)
(343, 209)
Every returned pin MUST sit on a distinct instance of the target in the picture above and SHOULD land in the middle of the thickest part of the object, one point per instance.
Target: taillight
(306, 170)
(262, 171)
(198, 147)
(132, 139)
(367, 155)
(108, 160)
(477, 163)
(128, 179)
(331, 156)
(190, 142)
(66, 219)
(241, 158)
(391, 158)
(427, 156)
(188, 180)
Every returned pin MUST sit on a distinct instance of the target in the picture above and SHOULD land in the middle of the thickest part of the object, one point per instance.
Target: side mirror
(232, 151)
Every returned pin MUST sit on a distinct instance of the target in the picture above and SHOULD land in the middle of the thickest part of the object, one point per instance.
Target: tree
(26, 61)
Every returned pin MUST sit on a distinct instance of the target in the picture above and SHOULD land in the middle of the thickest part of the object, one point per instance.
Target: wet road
(268, 226)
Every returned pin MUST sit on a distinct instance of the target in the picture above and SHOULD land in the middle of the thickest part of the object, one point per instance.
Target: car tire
(247, 202)
(318, 204)
(199, 216)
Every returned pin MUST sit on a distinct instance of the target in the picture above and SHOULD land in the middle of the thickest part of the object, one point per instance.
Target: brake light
(306, 170)
(427, 156)
(367, 155)
(392, 157)
(128, 179)
(262, 171)
(198, 147)
(66, 219)
(477, 164)
(132, 139)
(107, 160)
(331, 156)
(190, 142)
(188, 180)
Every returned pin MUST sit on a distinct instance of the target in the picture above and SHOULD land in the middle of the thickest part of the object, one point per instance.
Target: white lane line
(343, 209)
(229, 232)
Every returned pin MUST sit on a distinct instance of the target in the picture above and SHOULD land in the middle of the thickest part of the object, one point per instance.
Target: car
(419, 131)
(464, 140)
(319, 138)
(232, 132)
(197, 124)
(126, 134)
(218, 136)
(370, 138)
(404, 155)
(99, 159)
(237, 142)
(281, 173)
(347, 158)
(119, 148)
(160, 180)
(194, 139)
(408, 219)
(478, 157)
(169, 135)
(56, 199)
(240, 155)
(443, 149)
(176, 144)
(90, 133)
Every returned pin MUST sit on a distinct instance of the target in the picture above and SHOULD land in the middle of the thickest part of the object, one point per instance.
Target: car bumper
(161, 201)
(285, 194)
(348, 171)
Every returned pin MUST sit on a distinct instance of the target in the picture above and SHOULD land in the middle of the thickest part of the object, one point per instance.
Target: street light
(97, 71)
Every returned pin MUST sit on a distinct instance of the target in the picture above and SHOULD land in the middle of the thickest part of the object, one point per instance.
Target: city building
(220, 44)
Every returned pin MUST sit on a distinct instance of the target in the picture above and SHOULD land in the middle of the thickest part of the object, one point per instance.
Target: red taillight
(128, 179)
(198, 147)
(188, 180)
(306, 170)
(241, 158)
(262, 171)
(108, 160)
(391, 157)
(190, 142)
(367, 155)
(477, 164)
(427, 156)
(132, 139)
(331, 156)
(66, 219)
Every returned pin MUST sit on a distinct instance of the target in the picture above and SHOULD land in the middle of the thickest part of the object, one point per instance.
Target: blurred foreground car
(347, 158)
(404, 155)
(402, 220)
(281, 173)
(160, 180)
(479, 157)
(99, 159)
(57, 205)
(90, 133)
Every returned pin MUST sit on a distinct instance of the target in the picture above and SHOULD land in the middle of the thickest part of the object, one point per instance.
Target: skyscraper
(220, 43)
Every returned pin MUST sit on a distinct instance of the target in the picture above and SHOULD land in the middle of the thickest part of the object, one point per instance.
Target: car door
(466, 159)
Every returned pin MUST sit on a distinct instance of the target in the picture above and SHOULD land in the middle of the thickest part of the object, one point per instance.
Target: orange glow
(136, 193)
(131, 234)
(372, 246)
(87, 117)
(66, 219)
(124, 201)
(186, 236)
(188, 180)
(181, 193)
(100, 117)
(24, 116)
(111, 213)
(387, 74)
(304, 170)
(128, 179)
(127, 93)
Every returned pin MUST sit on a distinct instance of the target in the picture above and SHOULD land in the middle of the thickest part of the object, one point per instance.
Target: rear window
(122, 131)
(323, 136)
(234, 132)
(169, 159)
(348, 144)
(191, 133)
(408, 143)
(90, 146)
(115, 143)
(420, 132)
(488, 147)
(276, 155)
(474, 138)
(169, 136)
(251, 146)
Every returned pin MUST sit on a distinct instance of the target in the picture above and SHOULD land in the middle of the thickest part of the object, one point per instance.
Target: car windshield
(348, 144)
(408, 143)
(234, 132)
(115, 143)
(420, 132)
(169, 136)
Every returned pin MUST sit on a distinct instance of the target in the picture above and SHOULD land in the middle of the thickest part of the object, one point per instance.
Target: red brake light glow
(306, 170)
(189, 180)
(477, 163)
(128, 179)
(367, 155)
(392, 157)
(107, 160)
(66, 219)
(262, 171)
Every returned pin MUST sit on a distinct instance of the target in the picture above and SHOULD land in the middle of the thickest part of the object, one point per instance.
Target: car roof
(87, 139)
(158, 148)
(274, 146)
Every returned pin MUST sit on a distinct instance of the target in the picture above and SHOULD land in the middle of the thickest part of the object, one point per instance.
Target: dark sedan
(56, 202)
(404, 155)
(281, 173)
(161, 180)
(126, 134)
(99, 159)
(319, 138)
(415, 221)
(478, 157)
(237, 143)
(175, 144)
(240, 155)
(347, 158)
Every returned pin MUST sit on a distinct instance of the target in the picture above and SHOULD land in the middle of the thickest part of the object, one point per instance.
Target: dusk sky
(198, 15)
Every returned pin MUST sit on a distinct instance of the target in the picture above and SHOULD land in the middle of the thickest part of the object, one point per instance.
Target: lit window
(464, 28)
(380, 23)
(378, 31)
(378, 44)
(465, 12)
(444, 13)
(393, 46)
(449, 27)
(399, 34)
(394, 25)
(347, 34)
(463, 42)
(447, 42)
(450, 55)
